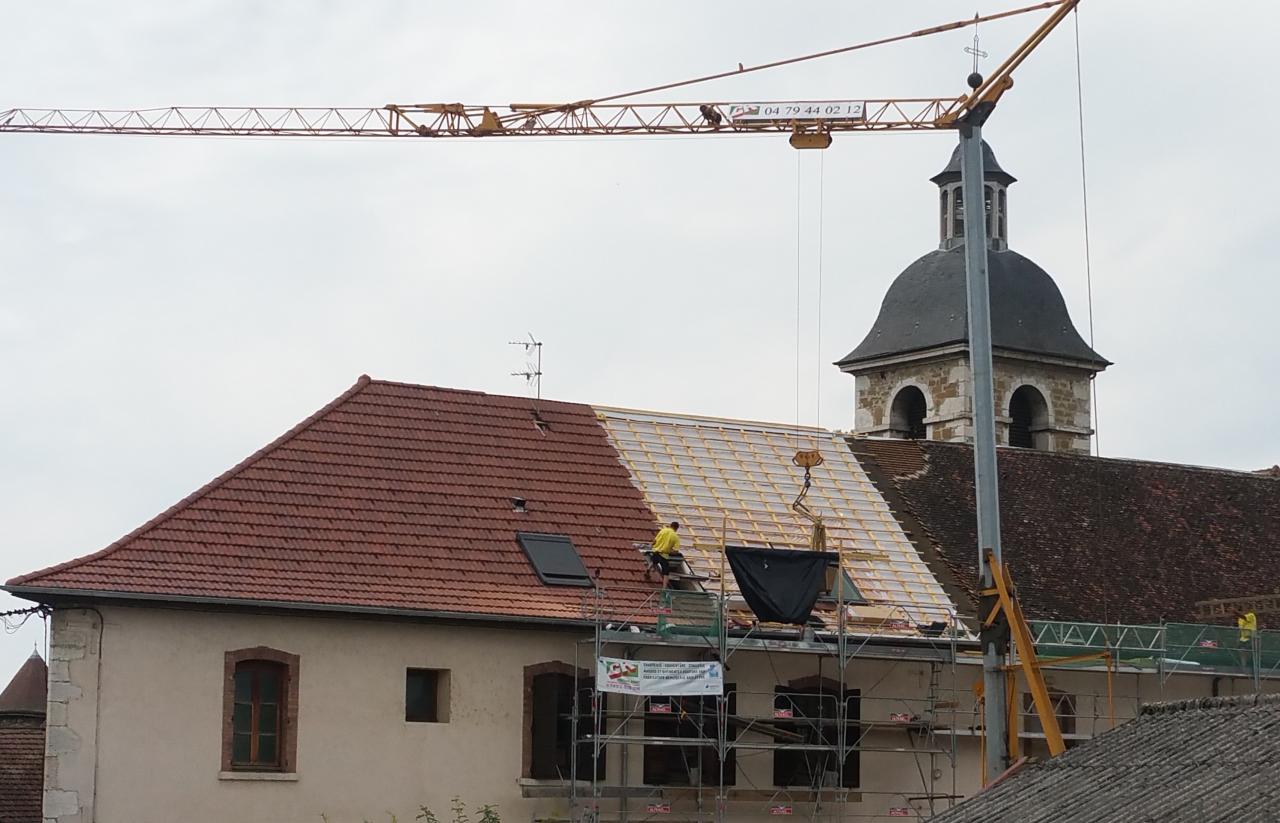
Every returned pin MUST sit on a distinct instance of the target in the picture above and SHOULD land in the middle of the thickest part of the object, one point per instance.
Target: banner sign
(659, 677)
(828, 110)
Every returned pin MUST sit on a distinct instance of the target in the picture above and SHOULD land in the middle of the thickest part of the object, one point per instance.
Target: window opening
(257, 714)
(945, 217)
(957, 214)
(849, 593)
(1028, 416)
(426, 696)
(812, 713)
(551, 728)
(988, 197)
(1002, 217)
(692, 717)
(906, 416)
(1064, 706)
(554, 559)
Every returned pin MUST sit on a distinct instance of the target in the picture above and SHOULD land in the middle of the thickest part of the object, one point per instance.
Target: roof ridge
(1222, 702)
(361, 382)
(1122, 460)
(722, 422)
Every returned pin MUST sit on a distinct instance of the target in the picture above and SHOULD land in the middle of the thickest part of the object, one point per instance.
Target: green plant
(488, 813)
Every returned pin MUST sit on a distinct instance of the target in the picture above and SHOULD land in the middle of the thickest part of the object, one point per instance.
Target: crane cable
(1088, 279)
(817, 411)
(945, 27)
(1084, 199)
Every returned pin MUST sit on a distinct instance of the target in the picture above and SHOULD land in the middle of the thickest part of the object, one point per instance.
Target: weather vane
(974, 50)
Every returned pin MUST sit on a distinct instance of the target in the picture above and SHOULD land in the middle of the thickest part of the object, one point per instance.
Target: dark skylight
(554, 558)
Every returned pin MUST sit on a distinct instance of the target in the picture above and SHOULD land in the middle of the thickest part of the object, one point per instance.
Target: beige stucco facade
(136, 695)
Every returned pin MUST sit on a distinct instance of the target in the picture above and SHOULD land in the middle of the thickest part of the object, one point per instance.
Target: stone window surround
(1045, 394)
(530, 672)
(930, 408)
(289, 731)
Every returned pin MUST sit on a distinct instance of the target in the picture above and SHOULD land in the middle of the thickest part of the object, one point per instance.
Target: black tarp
(780, 585)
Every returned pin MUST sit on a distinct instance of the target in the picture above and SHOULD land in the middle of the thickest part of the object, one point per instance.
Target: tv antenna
(532, 373)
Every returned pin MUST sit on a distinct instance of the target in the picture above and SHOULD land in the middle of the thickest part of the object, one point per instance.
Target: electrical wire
(15, 619)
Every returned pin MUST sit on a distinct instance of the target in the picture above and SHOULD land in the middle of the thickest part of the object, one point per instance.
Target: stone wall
(72, 720)
(946, 387)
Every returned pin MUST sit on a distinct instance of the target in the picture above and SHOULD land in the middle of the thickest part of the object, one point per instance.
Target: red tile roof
(1094, 539)
(396, 497)
(21, 769)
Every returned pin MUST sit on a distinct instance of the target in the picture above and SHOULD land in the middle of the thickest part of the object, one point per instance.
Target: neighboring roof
(27, 691)
(926, 307)
(21, 769)
(1093, 539)
(1205, 760)
(991, 169)
(700, 471)
(392, 497)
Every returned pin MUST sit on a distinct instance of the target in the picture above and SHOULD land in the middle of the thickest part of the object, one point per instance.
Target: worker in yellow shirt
(1247, 623)
(666, 549)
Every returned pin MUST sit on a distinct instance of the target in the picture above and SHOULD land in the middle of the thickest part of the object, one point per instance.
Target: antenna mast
(532, 373)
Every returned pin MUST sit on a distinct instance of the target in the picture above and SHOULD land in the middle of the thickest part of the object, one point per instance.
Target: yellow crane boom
(810, 123)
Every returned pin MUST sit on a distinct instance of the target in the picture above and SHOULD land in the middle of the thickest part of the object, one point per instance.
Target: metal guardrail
(1169, 648)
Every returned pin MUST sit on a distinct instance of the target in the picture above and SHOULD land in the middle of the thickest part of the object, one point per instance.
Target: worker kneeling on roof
(666, 549)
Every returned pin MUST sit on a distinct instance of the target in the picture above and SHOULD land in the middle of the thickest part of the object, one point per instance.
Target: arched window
(988, 198)
(907, 414)
(1028, 419)
(945, 197)
(957, 213)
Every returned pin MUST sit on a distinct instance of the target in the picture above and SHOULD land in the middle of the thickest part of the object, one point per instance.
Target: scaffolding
(820, 730)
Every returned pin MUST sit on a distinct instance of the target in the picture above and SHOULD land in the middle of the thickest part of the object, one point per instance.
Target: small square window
(426, 696)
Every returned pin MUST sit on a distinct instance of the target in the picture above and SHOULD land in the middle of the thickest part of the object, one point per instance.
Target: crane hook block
(810, 140)
(808, 459)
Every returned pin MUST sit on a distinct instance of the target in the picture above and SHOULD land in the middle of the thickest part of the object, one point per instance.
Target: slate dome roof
(926, 307)
(991, 169)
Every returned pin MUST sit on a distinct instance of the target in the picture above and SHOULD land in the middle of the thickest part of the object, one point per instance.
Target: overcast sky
(168, 306)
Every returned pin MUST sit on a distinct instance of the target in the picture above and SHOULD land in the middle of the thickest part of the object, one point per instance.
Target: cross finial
(974, 50)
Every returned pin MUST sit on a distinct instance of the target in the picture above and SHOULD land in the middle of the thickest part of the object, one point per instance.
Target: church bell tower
(911, 372)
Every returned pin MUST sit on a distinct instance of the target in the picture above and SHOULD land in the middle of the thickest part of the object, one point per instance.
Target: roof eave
(852, 363)
(58, 596)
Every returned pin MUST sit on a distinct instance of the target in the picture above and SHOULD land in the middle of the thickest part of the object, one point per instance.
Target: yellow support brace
(1026, 650)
